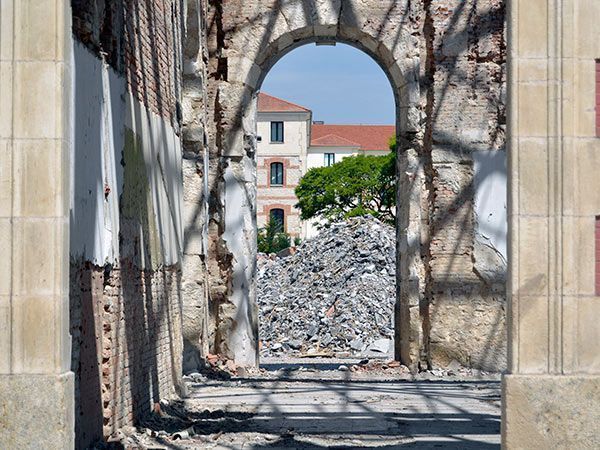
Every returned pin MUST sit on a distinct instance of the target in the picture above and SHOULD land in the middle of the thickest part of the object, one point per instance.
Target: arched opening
(326, 277)
(237, 140)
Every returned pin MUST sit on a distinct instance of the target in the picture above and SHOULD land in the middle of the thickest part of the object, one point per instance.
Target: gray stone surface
(47, 422)
(551, 412)
(313, 409)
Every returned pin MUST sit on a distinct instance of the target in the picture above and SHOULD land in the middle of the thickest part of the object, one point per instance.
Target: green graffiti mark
(137, 202)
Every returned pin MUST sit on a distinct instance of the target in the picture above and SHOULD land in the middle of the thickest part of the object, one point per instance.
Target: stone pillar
(237, 315)
(36, 386)
(194, 285)
(409, 338)
(551, 395)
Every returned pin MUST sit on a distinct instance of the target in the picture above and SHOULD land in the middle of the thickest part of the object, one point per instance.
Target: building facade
(289, 144)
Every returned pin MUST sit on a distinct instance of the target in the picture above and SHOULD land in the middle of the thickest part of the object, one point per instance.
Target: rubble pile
(333, 296)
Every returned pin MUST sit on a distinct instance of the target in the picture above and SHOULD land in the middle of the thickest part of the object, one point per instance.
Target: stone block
(38, 36)
(531, 70)
(6, 178)
(550, 412)
(243, 70)
(39, 170)
(6, 260)
(533, 332)
(37, 411)
(588, 335)
(532, 109)
(6, 30)
(36, 334)
(585, 98)
(37, 266)
(34, 118)
(533, 257)
(579, 251)
(580, 161)
(6, 96)
(587, 34)
(533, 174)
(532, 29)
(5, 332)
(470, 330)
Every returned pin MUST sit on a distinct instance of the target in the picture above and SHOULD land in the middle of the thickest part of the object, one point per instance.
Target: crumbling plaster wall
(466, 124)
(199, 168)
(445, 61)
(126, 212)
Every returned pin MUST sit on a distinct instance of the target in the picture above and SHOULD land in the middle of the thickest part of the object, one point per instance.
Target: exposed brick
(126, 329)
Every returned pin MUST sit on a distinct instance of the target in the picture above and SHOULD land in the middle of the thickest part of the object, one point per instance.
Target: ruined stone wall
(464, 74)
(446, 62)
(142, 42)
(126, 225)
(245, 40)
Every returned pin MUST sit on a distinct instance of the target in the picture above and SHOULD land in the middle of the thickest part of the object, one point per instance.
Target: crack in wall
(429, 176)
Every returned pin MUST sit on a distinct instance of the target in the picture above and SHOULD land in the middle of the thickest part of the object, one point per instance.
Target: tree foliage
(271, 239)
(356, 186)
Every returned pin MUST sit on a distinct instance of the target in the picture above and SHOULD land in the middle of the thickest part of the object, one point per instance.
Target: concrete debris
(365, 404)
(335, 294)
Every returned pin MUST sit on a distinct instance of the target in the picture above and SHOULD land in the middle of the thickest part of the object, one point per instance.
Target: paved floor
(338, 409)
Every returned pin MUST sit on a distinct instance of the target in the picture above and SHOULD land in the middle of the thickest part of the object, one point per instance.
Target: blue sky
(339, 84)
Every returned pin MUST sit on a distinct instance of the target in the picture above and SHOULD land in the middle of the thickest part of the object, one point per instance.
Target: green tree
(356, 186)
(271, 239)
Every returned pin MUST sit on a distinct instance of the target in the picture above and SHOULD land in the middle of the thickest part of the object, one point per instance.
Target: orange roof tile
(268, 103)
(367, 137)
(333, 140)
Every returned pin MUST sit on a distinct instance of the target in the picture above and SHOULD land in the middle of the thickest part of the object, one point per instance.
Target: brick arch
(399, 69)
(286, 208)
(394, 57)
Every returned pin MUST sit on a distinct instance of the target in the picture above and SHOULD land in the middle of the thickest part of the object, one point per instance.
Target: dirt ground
(315, 404)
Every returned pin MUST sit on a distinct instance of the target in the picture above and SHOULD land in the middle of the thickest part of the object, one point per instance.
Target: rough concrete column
(551, 395)
(36, 387)
(409, 338)
(233, 244)
(194, 285)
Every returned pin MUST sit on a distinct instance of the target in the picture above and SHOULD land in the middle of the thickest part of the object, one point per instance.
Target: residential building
(289, 144)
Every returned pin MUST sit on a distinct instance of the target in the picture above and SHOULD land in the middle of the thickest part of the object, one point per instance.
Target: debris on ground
(334, 295)
(319, 403)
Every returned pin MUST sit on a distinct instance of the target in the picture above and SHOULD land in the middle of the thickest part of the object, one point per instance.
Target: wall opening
(326, 206)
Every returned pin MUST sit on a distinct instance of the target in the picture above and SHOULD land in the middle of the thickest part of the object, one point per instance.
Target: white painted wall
(490, 184)
(295, 135)
(102, 110)
(316, 155)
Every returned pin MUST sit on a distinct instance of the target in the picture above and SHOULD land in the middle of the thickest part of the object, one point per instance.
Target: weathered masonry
(446, 64)
(125, 215)
(127, 198)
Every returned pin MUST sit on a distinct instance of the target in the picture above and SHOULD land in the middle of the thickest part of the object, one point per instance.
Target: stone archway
(237, 66)
(552, 390)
